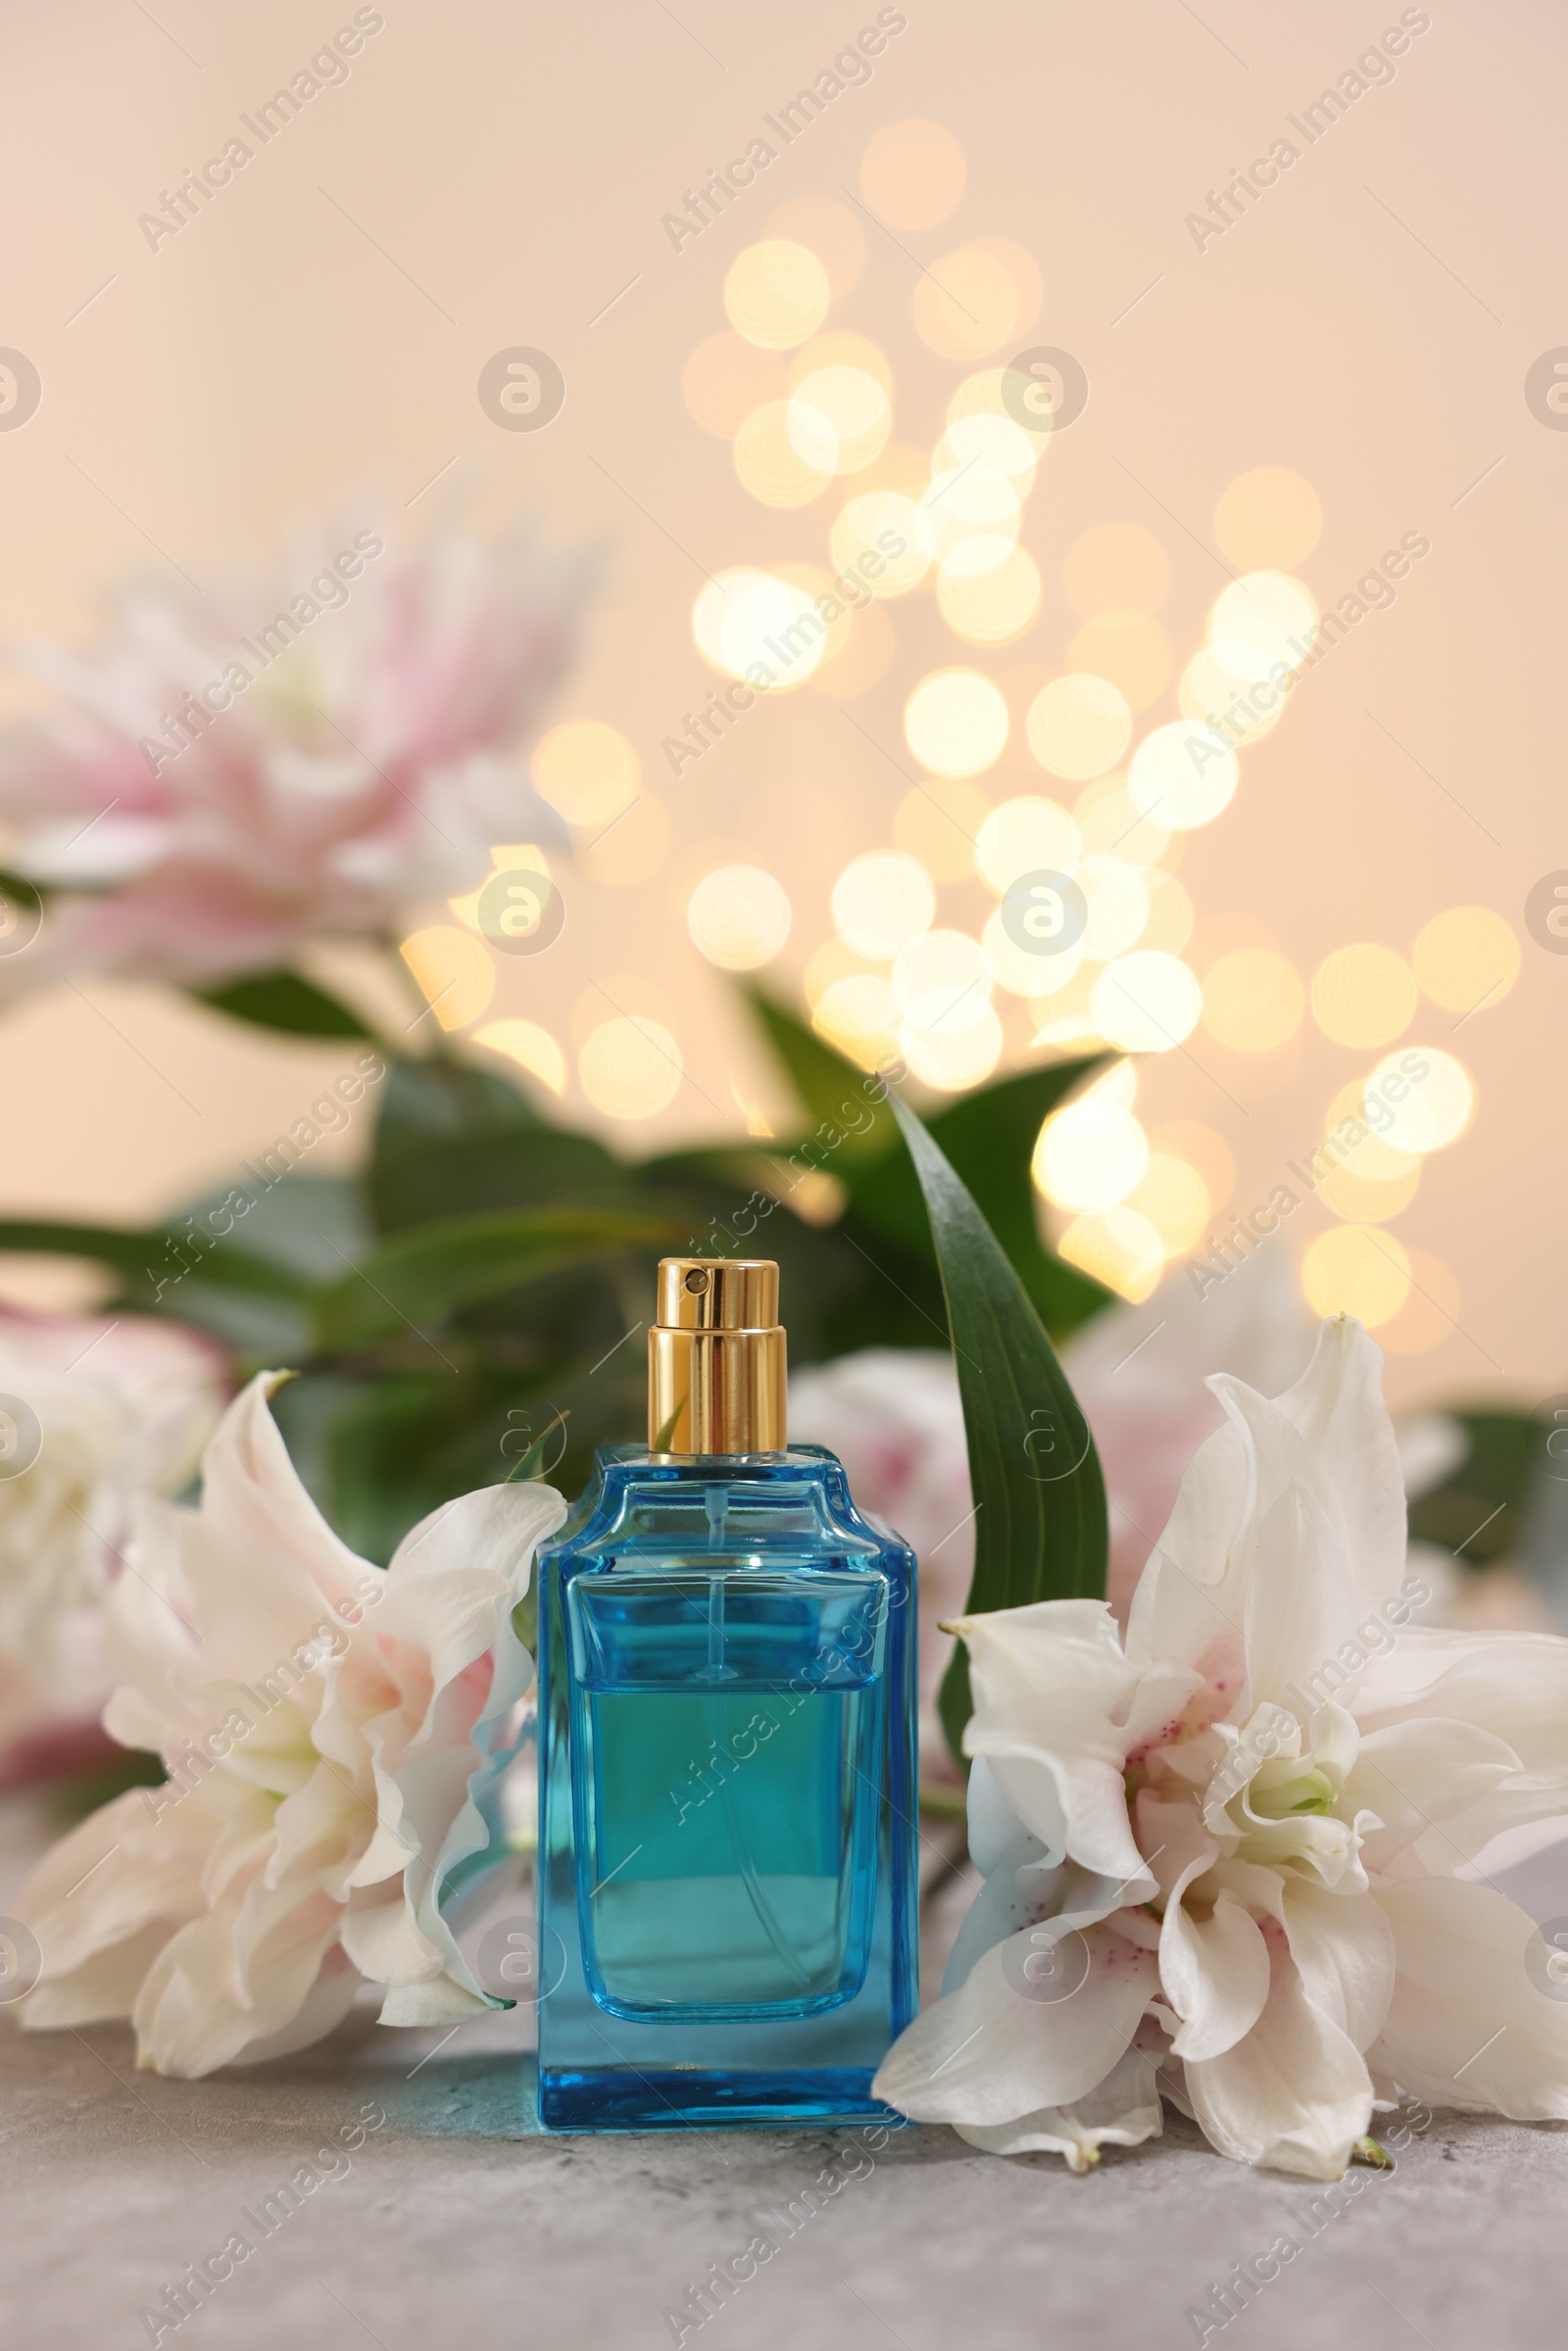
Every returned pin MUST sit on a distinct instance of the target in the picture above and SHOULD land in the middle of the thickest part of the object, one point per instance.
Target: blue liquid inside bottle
(728, 1795)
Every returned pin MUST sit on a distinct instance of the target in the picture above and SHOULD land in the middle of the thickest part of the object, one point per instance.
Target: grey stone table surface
(453, 2222)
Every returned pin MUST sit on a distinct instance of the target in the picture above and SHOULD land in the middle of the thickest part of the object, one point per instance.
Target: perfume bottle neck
(715, 1392)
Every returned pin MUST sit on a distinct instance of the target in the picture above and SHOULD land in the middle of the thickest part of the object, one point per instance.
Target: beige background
(510, 164)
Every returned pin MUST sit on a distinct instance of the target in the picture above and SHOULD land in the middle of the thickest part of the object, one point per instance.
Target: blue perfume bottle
(727, 1791)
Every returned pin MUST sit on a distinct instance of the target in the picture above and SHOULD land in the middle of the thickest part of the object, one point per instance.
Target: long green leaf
(282, 1000)
(154, 1258)
(1040, 1499)
(418, 1276)
(989, 1137)
(492, 1169)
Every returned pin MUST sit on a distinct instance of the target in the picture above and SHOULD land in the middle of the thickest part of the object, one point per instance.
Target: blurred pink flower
(247, 769)
(93, 1414)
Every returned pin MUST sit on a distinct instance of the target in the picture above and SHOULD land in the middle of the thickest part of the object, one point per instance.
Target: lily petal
(1214, 1971)
(1122, 2110)
(988, 2053)
(1294, 2094)
(1057, 1710)
(1469, 2023)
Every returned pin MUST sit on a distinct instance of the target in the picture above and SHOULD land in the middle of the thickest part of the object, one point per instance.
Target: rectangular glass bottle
(727, 1766)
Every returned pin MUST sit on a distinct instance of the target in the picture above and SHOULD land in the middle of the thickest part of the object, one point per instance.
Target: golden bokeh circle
(1357, 1270)
(1147, 1002)
(769, 461)
(531, 1047)
(949, 1061)
(996, 444)
(455, 972)
(1183, 775)
(988, 590)
(967, 303)
(891, 527)
(942, 981)
(1263, 622)
(1026, 835)
(776, 293)
(1364, 995)
(760, 627)
(1427, 1097)
(587, 771)
(1079, 726)
(1174, 1198)
(840, 347)
(1111, 826)
(881, 902)
(1467, 958)
(1352, 1141)
(955, 722)
(1090, 1154)
(630, 1067)
(1218, 686)
(1366, 1199)
(860, 1015)
(738, 916)
(1121, 1247)
(839, 419)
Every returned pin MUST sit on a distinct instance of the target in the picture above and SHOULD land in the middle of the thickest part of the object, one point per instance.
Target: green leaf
(21, 911)
(440, 1176)
(420, 1276)
(154, 1260)
(1480, 1511)
(989, 1138)
(71, 1800)
(424, 1099)
(282, 1000)
(1040, 1500)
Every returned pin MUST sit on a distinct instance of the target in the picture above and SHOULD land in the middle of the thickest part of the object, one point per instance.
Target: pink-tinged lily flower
(1240, 1856)
(93, 1413)
(327, 1726)
(277, 763)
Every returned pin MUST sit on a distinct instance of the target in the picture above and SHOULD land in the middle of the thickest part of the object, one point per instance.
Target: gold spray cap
(716, 1357)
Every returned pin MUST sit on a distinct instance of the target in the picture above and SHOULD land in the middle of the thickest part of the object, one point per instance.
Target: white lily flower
(328, 1729)
(1240, 1857)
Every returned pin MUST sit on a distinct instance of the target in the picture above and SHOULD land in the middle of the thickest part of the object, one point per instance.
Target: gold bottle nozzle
(716, 1357)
